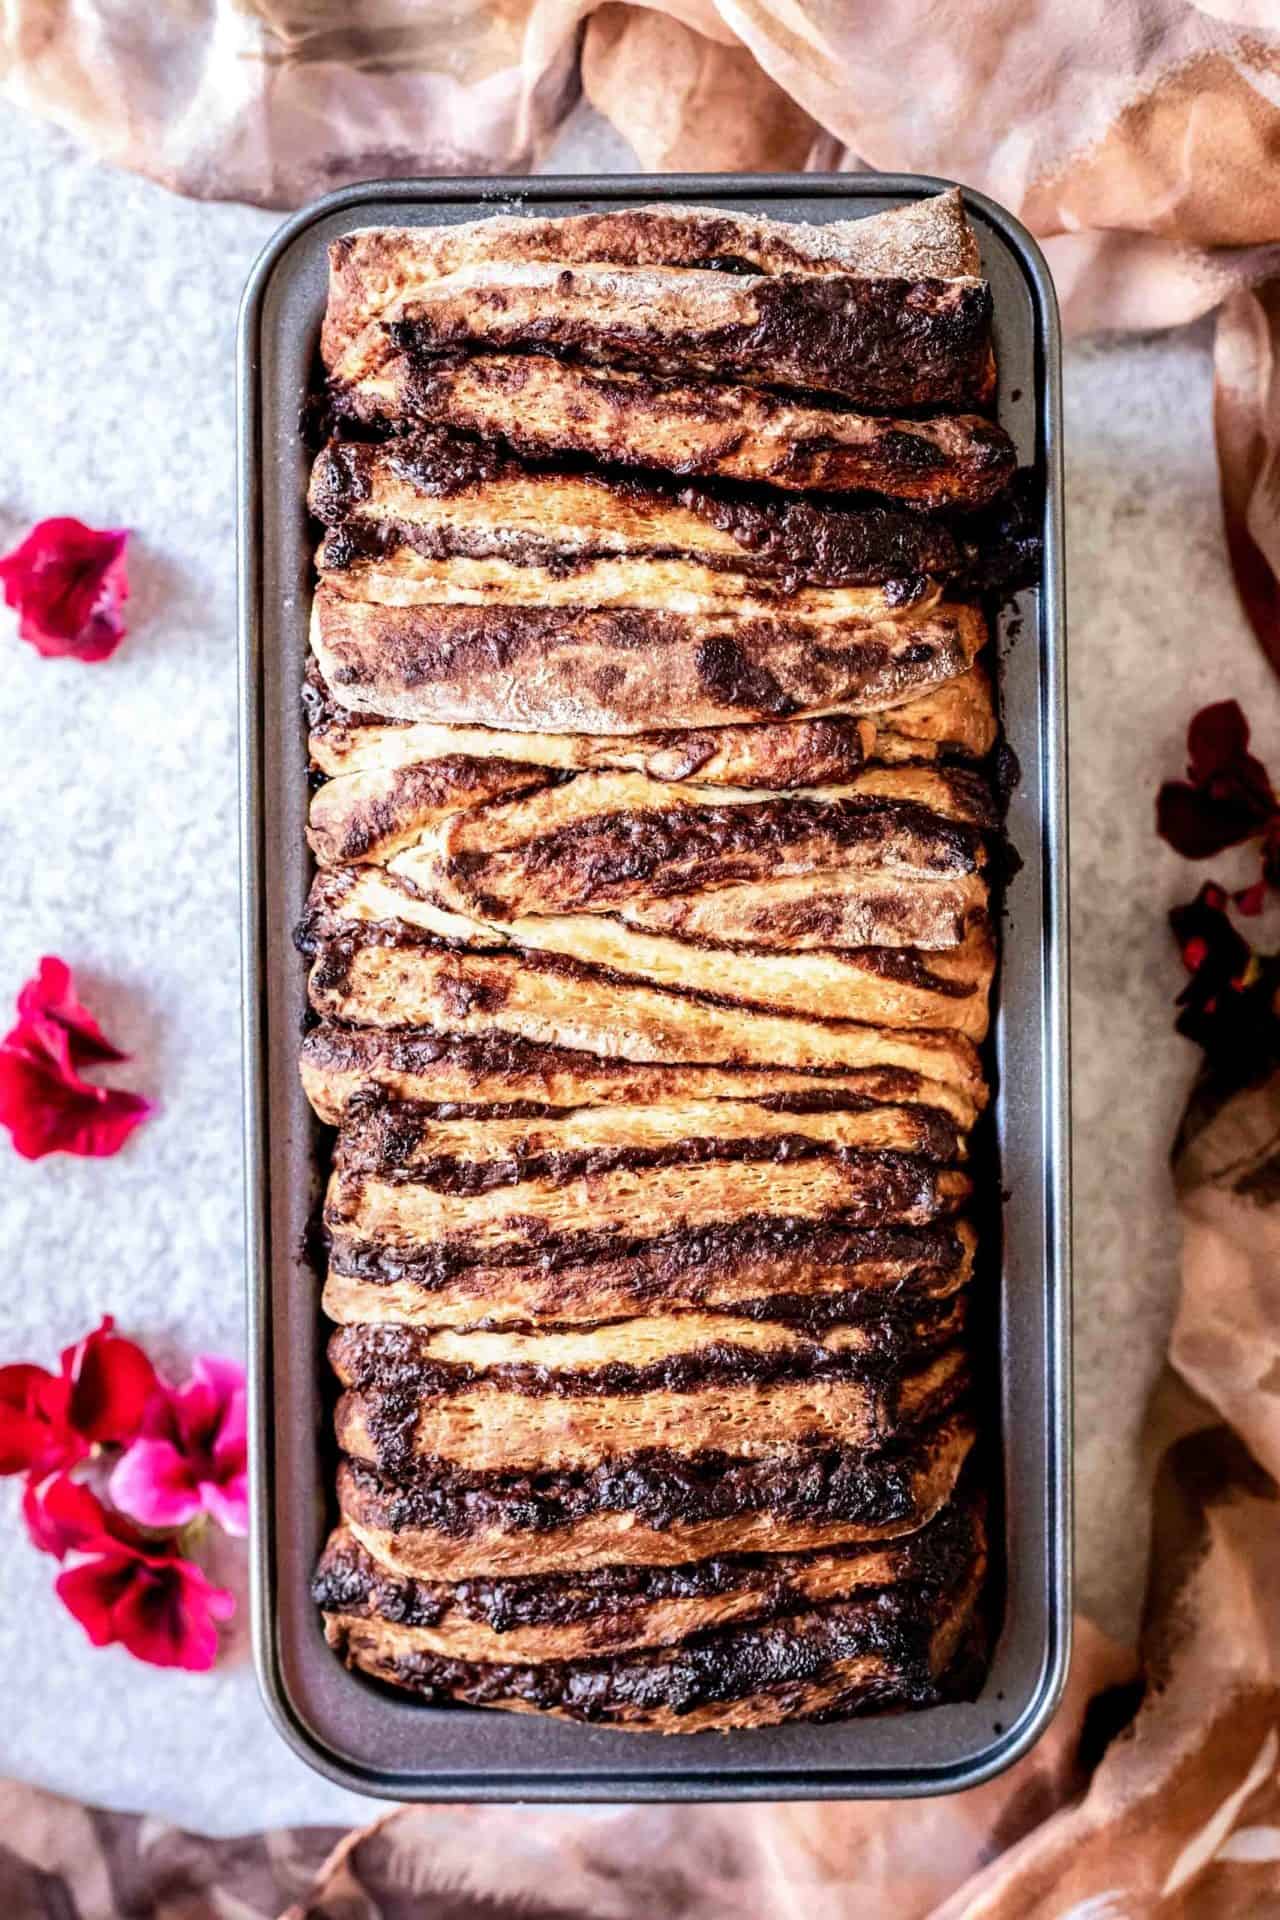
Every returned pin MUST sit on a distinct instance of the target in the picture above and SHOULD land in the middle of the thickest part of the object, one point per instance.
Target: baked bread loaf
(651, 945)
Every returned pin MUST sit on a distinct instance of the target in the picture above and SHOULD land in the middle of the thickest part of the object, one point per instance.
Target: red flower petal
(63, 1516)
(91, 1592)
(1227, 796)
(1250, 900)
(1217, 737)
(50, 1111)
(51, 995)
(161, 1609)
(45, 1102)
(111, 1382)
(68, 583)
(35, 1436)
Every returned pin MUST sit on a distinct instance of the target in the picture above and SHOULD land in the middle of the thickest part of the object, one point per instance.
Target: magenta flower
(189, 1457)
(69, 584)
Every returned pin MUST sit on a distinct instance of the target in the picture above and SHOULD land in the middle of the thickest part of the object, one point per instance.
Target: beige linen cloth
(1169, 1811)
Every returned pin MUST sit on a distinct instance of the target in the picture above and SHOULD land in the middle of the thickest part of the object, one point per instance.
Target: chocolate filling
(659, 851)
(880, 342)
(335, 943)
(895, 1629)
(416, 1050)
(682, 1259)
(794, 541)
(382, 1148)
(640, 406)
(379, 1358)
(817, 1486)
(349, 1580)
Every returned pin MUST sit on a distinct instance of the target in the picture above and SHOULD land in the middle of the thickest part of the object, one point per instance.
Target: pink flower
(122, 1590)
(68, 583)
(45, 1102)
(189, 1456)
(98, 1397)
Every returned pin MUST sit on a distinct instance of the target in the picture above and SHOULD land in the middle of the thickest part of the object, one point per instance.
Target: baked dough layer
(652, 941)
(544, 409)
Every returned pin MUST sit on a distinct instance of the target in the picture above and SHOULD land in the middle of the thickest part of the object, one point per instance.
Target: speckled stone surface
(116, 333)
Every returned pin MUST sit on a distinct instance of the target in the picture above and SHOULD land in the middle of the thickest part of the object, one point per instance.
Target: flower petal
(68, 583)
(1227, 796)
(231, 1447)
(48, 1108)
(227, 1502)
(224, 1377)
(51, 995)
(92, 1592)
(35, 1436)
(1229, 1004)
(168, 1616)
(1218, 742)
(111, 1383)
(62, 1515)
(153, 1483)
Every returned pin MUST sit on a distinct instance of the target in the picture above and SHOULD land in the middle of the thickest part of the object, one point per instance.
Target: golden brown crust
(611, 669)
(451, 1529)
(732, 1642)
(376, 814)
(546, 409)
(789, 1273)
(611, 1610)
(956, 718)
(443, 1071)
(944, 989)
(373, 268)
(523, 997)
(400, 511)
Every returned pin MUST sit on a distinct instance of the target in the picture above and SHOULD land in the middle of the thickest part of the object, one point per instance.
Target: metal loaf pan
(356, 1733)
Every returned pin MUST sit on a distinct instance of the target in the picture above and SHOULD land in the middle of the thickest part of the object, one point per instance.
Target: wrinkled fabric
(1139, 139)
(1155, 1794)
(1142, 138)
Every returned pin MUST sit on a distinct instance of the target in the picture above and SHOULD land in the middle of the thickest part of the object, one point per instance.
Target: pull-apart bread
(651, 944)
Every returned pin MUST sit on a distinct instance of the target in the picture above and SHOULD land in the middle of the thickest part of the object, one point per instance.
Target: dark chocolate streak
(614, 853)
(684, 1258)
(427, 785)
(349, 1580)
(423, 395)
(792, 541)
(376, 1358)
(417, 1116)
(888, 1185)
(895, 1629)
(416, 1050)
(383, 1150)
(390, 1414)
(427, 645)
(830, 749)
(882, 342)
(831, 1486)
(774, 575)
(335, 944)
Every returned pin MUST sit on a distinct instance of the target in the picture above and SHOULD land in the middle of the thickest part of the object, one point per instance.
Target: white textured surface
(116, 333)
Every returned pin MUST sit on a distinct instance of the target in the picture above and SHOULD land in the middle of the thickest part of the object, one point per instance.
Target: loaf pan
(365, 1737)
